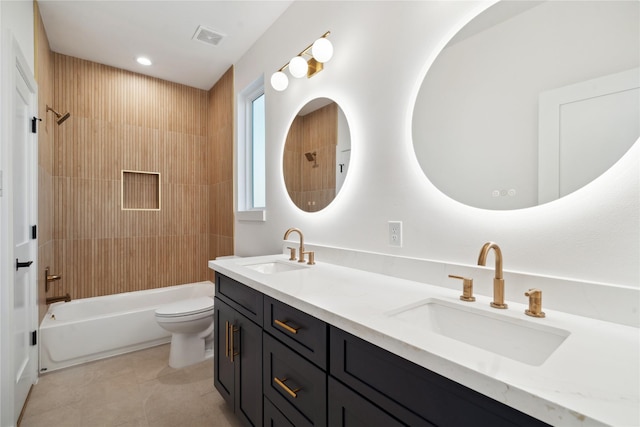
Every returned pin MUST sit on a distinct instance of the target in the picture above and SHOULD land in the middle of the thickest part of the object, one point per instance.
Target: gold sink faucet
(498, 281)
(302, 252)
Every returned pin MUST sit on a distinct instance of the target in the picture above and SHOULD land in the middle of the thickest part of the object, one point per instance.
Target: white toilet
(191, 324)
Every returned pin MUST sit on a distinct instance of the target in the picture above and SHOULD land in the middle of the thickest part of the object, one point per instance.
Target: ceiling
(114, 33)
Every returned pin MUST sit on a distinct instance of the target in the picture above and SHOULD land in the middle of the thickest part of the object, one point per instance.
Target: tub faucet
(65, 298)
(49, 278)
(297, 230)
(498, 281)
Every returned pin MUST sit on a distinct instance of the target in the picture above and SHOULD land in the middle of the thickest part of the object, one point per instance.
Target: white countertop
(592, 378)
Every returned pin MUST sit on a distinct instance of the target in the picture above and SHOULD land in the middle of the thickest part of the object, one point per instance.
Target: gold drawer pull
(285, 326)
(281, 383)
(226, 339)
(232, 350)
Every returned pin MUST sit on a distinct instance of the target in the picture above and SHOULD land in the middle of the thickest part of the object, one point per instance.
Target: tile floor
(136, 389)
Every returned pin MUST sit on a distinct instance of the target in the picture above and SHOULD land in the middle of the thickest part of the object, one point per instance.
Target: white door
(24, 166)
(584, 129)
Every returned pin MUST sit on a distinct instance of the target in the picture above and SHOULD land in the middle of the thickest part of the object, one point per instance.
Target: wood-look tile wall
(312, 188)
(220, 127)
(125, 121)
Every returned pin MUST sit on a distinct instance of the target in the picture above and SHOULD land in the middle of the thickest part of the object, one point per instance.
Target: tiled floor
(136, 389)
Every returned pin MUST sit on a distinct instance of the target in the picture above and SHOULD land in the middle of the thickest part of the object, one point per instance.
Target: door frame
(12, 61)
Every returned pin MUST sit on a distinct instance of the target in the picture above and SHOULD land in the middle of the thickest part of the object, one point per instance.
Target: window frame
(246, 209)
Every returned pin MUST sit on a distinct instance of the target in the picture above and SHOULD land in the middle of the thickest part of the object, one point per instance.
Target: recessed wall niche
(140, 191)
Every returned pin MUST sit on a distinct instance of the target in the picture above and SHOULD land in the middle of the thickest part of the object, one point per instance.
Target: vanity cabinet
(412, 394)
(238, 349)
(312, 374)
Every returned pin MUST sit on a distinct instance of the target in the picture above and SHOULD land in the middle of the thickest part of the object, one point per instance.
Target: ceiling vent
(208, 36)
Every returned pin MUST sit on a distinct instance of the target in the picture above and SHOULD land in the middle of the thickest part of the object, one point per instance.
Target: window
(251, 153)
(257, 145)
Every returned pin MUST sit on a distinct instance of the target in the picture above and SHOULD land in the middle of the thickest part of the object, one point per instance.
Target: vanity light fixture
(318, 53)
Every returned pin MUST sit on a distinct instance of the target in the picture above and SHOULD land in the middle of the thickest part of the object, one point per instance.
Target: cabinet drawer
(300, 331)
(348, 409)
(294, 385)
(273, 417)
(394, 383)
(241, 297)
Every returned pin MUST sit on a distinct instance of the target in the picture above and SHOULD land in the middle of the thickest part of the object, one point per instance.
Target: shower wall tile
(122, 120)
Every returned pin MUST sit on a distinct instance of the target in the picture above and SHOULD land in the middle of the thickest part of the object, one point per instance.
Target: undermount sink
(275, 267)
(518, 339)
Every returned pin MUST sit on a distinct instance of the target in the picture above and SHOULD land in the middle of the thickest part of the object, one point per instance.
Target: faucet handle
(311, 254)
(467, 288)
(292, 253)
(535, 303)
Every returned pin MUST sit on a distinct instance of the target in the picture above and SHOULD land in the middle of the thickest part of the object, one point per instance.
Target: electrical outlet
(395, 233)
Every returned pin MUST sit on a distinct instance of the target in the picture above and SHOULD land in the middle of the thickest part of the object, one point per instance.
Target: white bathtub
(88, 329)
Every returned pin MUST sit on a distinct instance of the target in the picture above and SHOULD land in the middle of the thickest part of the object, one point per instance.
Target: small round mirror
(316, 154)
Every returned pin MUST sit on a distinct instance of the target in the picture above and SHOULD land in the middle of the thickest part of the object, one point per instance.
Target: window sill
(256, 215)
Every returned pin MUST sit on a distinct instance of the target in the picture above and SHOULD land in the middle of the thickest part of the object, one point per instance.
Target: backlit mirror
(316, 154)
(530, 101)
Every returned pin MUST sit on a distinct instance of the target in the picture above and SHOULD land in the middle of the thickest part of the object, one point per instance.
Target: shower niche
(140, 191)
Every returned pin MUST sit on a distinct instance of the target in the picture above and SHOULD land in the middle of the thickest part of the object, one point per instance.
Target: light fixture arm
(305, 51)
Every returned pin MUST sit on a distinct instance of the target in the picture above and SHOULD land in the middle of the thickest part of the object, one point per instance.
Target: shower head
(312, 158)
(59, 117)
(63, 118)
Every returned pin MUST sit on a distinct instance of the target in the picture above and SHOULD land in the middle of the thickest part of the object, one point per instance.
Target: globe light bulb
(279, 81)
(298, 67)
(322, 50)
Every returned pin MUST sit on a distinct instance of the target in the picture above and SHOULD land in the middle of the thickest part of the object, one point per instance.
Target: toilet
(190, 322)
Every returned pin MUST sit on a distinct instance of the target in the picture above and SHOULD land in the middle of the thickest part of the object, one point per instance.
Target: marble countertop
(591, 379)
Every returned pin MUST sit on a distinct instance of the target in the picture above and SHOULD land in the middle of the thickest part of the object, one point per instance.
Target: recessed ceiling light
(143, 61)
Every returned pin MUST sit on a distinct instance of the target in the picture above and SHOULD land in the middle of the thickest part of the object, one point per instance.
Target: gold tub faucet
(498, 281)
(48, 278)
(66, 298)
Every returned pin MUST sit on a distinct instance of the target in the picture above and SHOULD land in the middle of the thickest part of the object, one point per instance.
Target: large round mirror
(316, 154)
(530, 101)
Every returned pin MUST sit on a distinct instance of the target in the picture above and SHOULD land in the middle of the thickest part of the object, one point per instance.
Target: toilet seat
(186, 307)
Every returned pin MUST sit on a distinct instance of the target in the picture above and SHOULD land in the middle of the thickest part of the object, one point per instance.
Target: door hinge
(34, 124)
(34, 337)
(34, 231)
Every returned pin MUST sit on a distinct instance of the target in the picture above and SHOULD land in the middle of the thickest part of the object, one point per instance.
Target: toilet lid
(186, 307)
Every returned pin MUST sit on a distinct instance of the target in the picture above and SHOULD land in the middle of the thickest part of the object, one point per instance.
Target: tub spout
(65, 298)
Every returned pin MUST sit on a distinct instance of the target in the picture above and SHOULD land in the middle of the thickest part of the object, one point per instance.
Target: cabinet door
(223, 368)
(247, 343)
(238, 363)
(348, 409)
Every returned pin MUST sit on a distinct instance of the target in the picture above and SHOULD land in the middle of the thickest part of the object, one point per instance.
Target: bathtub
(88, 329)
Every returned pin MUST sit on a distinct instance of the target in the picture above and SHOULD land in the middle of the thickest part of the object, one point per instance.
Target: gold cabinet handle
(285, 326)
(226, 339)
(232, 352)
(281, 383)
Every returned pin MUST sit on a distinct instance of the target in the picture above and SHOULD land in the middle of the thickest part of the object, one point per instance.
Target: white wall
(382, 50)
